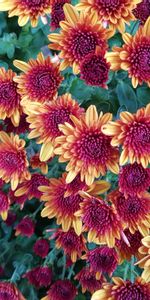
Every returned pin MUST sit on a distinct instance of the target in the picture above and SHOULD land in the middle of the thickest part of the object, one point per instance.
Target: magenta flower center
(138, 137)
(68, 205)
(7, 292)
(13, 161)
(57, 13)
(140, 60)
(35, 5)
(9, 98)
(131, 291)
(109, 6)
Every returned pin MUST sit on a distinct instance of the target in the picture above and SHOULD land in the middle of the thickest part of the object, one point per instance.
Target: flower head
(72, 244)
(9, 291)
(4, 205)
(46, 118)
(25, 227)
(102, 260)
(132, 132)
(40, 80)
(144, 262)
(142, 11)
(117, 13)
(41, 247)
(86, 148)
(39, 276)
(88, 280)
(133, 179)
(79, 36)
(57, 12)
(94, 69)
(134, 211)
(26, 10)
(9, 97)
(123, 290)
(35, 163)
(99, 220)
(134, 55)
(13, 160)
(61, 290)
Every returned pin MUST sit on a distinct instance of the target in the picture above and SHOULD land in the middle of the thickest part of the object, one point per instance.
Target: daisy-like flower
(26, 10)
(126, 251)
(116, 13)
(25, 227)
(99, 220)
(57, 12)
(86, 148)
(72, 244)
(94, 69)
(35, 163)
(23, 126)
(134, 55)
(79, 36)
(142, 11)
(30, 187)
(133, 179)
(62, 201)
(102, 260)
(41, 247)
(132, 132)
(4, 205)
(9, 97)
(61, 290)
(45, 120)
(144, 261)
(123, 290)
(10, 291)
(39, 276)
(134, 211)
(39, 81)
(13, 160)
(88, 280)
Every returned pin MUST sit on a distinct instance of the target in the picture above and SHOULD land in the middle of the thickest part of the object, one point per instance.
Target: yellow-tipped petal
(4, 215)
(21, 65)
(71, 14)
(46, 151)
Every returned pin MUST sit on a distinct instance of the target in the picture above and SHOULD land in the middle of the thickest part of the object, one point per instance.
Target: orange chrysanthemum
(13, 160)
(9, 97)
(123, 290)
(144, 262)
(62, 201)
(86, 148)
(35, 163)
(132, 131)
(134, 55)
(100, 220)
(134, 211)
(79, 36)
(9, 291)
(40, 80)
(116, 12)
(45, 120)
(26, 10)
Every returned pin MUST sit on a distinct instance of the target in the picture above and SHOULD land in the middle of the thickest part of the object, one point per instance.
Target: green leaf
(126, 96)
(143, 95)
(80, 297)
(80, 90)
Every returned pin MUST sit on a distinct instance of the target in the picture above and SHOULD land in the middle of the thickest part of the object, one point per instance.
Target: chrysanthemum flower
(30, 187)
(22, 127)
(9, 97)
(13, 160)
(61, 290)
(125, 251)
(102, 260)
(57, 12)
(4, 205)
(116, 12)
(11, 218)
(134, 55)
(88, 280)
(25, 227)
(41, 247)
(99, 220)
(123, 290)
(132, 131)
(72, 244)
(10, 291)
(45, 119)
(134, 179)
(19, 200)
(134, 211)
(86, 148)
(142, 11)
(79, 36)
(35, 163)
(94, 69)
(39, 276)
(40, 80)
(144, 261)
(26, 10)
